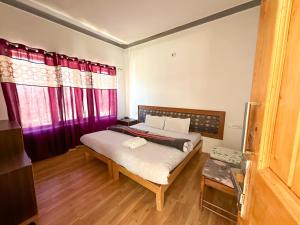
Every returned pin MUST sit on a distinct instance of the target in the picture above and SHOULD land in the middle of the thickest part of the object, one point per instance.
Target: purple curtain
(55, 98)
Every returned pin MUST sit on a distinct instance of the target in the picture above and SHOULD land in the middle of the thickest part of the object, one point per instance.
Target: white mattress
(152, 161)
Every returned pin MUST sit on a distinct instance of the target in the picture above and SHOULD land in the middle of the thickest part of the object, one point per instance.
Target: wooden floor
(72, 190)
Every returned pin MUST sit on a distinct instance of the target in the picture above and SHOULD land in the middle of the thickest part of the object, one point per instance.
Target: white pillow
(155, 121)
(177, 124)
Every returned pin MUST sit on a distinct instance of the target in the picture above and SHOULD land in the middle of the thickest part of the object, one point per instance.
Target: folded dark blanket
(178, 143)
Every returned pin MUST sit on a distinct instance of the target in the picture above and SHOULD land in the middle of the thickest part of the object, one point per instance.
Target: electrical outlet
(235, 126)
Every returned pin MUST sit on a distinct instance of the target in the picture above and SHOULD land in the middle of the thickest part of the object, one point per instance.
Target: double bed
(154, 166)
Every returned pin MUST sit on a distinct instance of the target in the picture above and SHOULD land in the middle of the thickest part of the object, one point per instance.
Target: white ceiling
(127, 21)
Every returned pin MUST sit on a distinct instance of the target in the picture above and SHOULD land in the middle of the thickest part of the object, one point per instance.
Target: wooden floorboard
(73, 190)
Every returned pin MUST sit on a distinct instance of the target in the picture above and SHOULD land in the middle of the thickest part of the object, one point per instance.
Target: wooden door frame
(276, 69)
(260, 169)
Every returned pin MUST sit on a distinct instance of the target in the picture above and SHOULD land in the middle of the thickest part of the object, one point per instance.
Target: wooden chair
(217, 175)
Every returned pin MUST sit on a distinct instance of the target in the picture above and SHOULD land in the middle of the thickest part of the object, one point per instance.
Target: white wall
(212, 70)
(22, 27)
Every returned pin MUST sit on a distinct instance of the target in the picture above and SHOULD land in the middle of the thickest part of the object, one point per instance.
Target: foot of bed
(110, 169)
(200, 149)
(115, 172)
(160, 199)
(87, 156)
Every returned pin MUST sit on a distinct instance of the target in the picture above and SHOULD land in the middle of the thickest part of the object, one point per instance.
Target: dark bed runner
(177, 143)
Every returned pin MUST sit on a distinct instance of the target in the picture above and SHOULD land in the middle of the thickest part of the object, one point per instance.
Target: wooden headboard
(208, 123)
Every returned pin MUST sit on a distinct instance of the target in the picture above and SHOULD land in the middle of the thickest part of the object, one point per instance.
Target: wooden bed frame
(114, 169)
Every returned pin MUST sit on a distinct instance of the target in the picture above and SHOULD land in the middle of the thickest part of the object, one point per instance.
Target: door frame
(276, 69)
(260, 170)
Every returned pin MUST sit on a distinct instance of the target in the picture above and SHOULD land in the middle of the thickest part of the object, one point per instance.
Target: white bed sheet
(152, 161)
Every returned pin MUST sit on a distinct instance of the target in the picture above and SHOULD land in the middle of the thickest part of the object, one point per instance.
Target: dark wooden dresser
(17, 193)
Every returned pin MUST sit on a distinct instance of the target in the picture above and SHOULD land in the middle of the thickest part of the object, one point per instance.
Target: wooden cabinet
(11, 140)
(17, 193)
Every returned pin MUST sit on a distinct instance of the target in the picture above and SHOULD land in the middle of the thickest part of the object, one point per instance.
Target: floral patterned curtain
(55, 98)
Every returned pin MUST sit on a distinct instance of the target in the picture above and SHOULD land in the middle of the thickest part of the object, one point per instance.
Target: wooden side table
(217, 175)
(238, 178)
(127, 122)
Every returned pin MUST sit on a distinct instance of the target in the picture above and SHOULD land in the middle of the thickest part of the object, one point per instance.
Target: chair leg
(160, 199)
(202, 188)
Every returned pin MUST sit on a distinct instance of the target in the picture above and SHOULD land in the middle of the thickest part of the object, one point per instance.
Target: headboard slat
(207, 122)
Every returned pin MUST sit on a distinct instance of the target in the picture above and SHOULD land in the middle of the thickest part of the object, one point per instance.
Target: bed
(154, 166)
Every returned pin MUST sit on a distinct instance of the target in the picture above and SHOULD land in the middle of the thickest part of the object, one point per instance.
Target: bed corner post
(200, 147)
(115, 171)
(110, 168)
(160, 198)
(85, 152)
(86, 156)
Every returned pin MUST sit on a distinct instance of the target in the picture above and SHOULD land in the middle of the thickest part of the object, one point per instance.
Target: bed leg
(110, 169)
(160, 198)
(87, 156)
(200, 150)
(115, 172)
